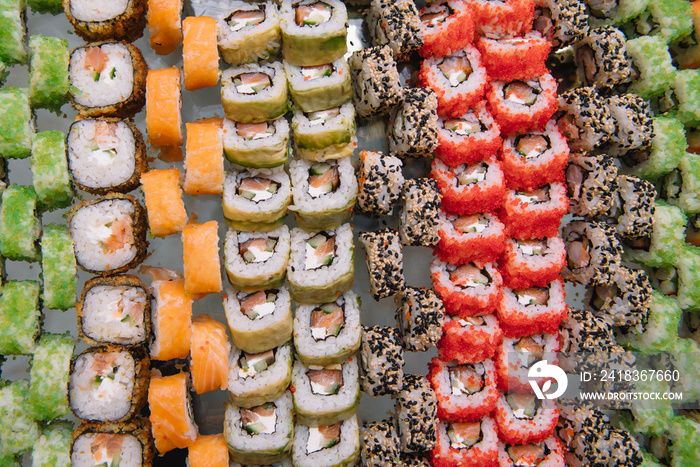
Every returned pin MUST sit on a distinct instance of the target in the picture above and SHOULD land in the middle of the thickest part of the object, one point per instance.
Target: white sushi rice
(238, 208)
(109, 399)
(97, 10)
(259, 388)
(341, 454)
(104, 320)
(251, 43)
(91, 227)
(306, 204)
(107, 90)
(130, 454)
(99, 160)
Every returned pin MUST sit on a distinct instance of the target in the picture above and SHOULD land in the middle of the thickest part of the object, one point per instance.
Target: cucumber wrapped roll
(257, 261)
(259, 145)
(326, 134)
(249, 32)
(257, 378)
(254, 93)
(315, 88)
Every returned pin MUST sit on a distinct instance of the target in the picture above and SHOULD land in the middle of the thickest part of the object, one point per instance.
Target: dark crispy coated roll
(133, 440)
(97, 20)
(412, 131)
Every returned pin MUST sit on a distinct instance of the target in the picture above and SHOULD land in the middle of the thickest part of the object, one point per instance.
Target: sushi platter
(210, 257)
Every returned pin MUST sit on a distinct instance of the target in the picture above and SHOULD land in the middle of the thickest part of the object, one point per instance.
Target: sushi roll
(502, 19)
(328, 333)
(468, 138)
(465, 392)
(200, 54)
(313, 31)
(109, 234)
(130, 440)
(320, 265)
(105, 154)
(384, 262)
(470, 189)
(109, 383)
(48, 75)
(325, 395)
(58, 267)
(171, 318)
(445, 27)
(459, 80)
(667, 151)
(381, 360)
(50, 177)
(326, 134)
(593, 252)
(515, 356)
(18, 129)
(519, 106)
(634, 127)
(579, 417)
(323, 193)
(470, 238)
(535, 262)
(514, 58)
(261, 434)
(105, 19)
(625, 301)
(20, 228)
(685, 97)
(326, 446)
(652, 59)
(257, 378)
(256, 199)
(373, 93)
(465, 444)
(669, 19)
(107, 79)
(164, 107)
(114, 310)
(19, 432)
(636, 198)
(467, 290)
(412, 131)
(601, 59)
(171, 414)
(591, 183)
(420, 212)
(319, 87)
(416, 414)
(259, 321)
(254, 93)
(163, 198)
(380, 180)
(548, 453)
(208, 451)
(165, 25)
(209, 355)
(562, 22)
(53, 445)
(584, 332)
(249, 32)
(534, 310)
(21, 315)
(584, 119)
(396, 24)
(204, 159)
(260, 145)
(14, 23)
(469, 340)
(536, 213)
(419, 318)
(379, 443)
(524, 419)
(48, 377)
(257, 261)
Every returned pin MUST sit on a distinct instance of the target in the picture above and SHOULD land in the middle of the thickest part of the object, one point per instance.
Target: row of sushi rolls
(551, 147)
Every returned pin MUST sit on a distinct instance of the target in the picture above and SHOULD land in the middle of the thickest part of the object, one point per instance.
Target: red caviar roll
(504, 18)
(479, 187)
(469, 340)
(514, 58)
(522, 105)
(466, 444)
(446, 25)
(468, 138)
(535, 262)
(467, 290)
(458, 79)
(515, 356)
(534, 159)
(470, 238)
(534, 310)
(549, 453)
(536, 213)
(465, 392)
(523, 418)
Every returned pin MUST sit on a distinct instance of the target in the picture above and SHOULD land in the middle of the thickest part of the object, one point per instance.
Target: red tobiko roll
(514, 58)
(467, 290)
(471, 339)
(550, 453)
(523, 418)
(465, 392)
(447, 25)
(536, 213)
(519, 106)
(515, 356)
(476, 237)
(534, 310)
(470, 189)
(535, 262)
(502, 19)
(469, 138)
(466, 444)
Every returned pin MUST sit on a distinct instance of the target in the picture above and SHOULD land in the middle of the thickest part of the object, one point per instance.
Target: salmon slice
(164, 25)
(209, 355)
(325, 381)
(526, 455)
(470, 380)
(103, 362)
(326, 248)
(171, 320)
(568, 127)
(463, 126)
(523, 405)
(464, 434)
(251, 83)
(250, 302)
(208, 451)
(105, 133)
(533, 296)
(327, 180)
(330, 431)
(528, 344)
(329, 322)
(520, 93)
(160, 274)
(539, 195)
(200, 245)
(243, 18)
(129, 309)
(532, 145)
(204, 159)
(96, 59)
(469, 223)
(260, 419)
(456, 69)
(163, 113)
(252, 131)
(164, 204)
(105, 445)
(468, 275)
(122, 235)
(472, 174)
(168, 400)
(311, 15)
(254, 184)
(200, 53)
(577, 254)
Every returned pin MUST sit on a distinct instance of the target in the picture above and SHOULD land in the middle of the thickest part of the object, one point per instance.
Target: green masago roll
(50, 176)
(667, 149)
(12, 30)
(4, 73)
(667, 238)
(661, 329)
(314, 32)
(684, 434)
(651, 417)
(685, 355)
(18, 432)
(681, 187)
(686, 97)
(669, 19)
(53, 7)
(49, 375)
(19, 317)
(53, 446)
(17, 131)
(48, 75)
(19, 226)
(59, 267)
(319, 87)
(653, 61)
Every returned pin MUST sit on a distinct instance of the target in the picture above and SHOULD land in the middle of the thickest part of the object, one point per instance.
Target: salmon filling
(96, 61)
(532, 347)
(539, 195)
(532, 247)
(320, 251)
(470, 224)
(244, 18)
(106, 449)
(532, 296)
(527, 455)
(327, 320)
(323, 178)
(466, 380)
(254, 131)
(464, 435)
(257, 250)
(470, 321)
(456, 69)
(104, 367)
(323, 437)
(464, 126)
(259, 420)
(521, 93)
(326, 381)
(104, 144)
(473, 174)
(435, 15)
(312, 14)
(318, 71)
(578, 251)
(250, 364)
(251, 83)
(257, 305)
(524, 406)
(468, 275)
(257, 189)
(322, 116)
(531, 146)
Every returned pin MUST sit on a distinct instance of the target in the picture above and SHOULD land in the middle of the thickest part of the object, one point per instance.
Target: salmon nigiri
(200, 247)
(209, 451)
(171, 412)
(165, 25)
(209, 355)
(166, 210)
(204, 159)
(200, 52)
